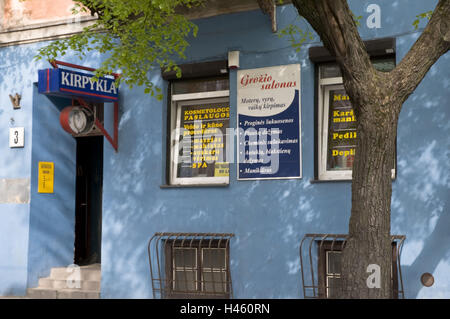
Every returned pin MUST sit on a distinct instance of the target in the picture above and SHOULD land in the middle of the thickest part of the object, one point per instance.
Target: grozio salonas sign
(68, 83)
(268, 116)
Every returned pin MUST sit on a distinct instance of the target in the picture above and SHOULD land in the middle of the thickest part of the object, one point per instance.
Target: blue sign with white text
(68, 83)
(269, 140)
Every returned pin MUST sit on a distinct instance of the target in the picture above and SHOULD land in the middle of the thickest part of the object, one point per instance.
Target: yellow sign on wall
(221, 169)
(46, 177)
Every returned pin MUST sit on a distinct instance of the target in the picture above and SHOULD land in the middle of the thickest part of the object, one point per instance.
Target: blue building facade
(268, 218)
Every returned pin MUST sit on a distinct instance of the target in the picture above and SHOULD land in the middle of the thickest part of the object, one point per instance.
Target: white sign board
(16, 137)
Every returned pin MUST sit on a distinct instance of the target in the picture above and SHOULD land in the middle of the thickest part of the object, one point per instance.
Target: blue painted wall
(52, 216)
(13, 248)
(37, 235)
(268, 218)
(14, 163)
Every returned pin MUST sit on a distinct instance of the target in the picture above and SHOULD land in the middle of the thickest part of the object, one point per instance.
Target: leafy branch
(425, 15)
(137, 36)
(296, 36)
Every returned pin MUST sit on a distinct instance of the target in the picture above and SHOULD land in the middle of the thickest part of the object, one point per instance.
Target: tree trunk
(377, 99)
(367, 256)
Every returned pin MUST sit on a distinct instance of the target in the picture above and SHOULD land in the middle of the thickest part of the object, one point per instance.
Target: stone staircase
(71, 282)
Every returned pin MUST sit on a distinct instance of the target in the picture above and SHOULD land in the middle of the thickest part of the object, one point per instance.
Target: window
(200, 270)
(332, 273)
(321, 272)
(195, 265)
(200, 117)
(337, 123)
(330, 269)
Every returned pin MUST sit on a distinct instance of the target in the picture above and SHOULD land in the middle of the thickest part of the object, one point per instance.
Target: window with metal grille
(186, 265)
(323, 251)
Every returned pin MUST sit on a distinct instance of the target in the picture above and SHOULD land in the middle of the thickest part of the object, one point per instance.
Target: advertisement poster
(204, 138)
(341, 131)
(268, 119)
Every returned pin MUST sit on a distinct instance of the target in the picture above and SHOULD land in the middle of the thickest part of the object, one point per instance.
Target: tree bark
(377, 100)
(369, 240)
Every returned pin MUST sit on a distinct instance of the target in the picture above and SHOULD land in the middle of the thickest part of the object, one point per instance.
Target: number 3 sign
(16, 137)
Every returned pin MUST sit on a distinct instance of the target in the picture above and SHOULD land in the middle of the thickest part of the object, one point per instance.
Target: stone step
(41, 293)
(88, 273)
(69, 283)
(50, 283)
(44, 293)
(77, 294)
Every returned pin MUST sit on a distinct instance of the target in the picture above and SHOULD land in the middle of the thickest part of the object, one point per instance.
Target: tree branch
(432, 43)
(333, 22)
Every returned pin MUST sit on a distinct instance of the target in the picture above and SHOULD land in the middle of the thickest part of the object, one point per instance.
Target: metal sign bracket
(114, 141)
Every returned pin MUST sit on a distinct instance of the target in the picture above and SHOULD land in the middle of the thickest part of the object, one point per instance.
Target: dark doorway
(88, 206)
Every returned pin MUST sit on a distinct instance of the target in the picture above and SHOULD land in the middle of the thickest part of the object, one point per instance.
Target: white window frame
(177, 100)
(326, 85)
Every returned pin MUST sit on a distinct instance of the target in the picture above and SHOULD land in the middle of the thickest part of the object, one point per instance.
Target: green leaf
(424, 15)
(295, 36)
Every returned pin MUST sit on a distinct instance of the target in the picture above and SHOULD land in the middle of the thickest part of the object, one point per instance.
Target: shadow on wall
(46, 229)
(421, 194)
(268, 218)
(435, 249)
(13, 248)
(52, 215)
(16, 75)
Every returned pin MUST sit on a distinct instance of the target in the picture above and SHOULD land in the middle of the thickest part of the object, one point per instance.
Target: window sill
(318, 181)
(164, 186)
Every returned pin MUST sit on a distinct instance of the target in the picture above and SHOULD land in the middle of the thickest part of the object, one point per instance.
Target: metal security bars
(320, 265)
(190, 265)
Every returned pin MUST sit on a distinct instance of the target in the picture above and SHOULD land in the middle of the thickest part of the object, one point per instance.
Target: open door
(89, 185)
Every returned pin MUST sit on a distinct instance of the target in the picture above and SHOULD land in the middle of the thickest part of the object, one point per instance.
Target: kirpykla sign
(86, 82)
(69, 83)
